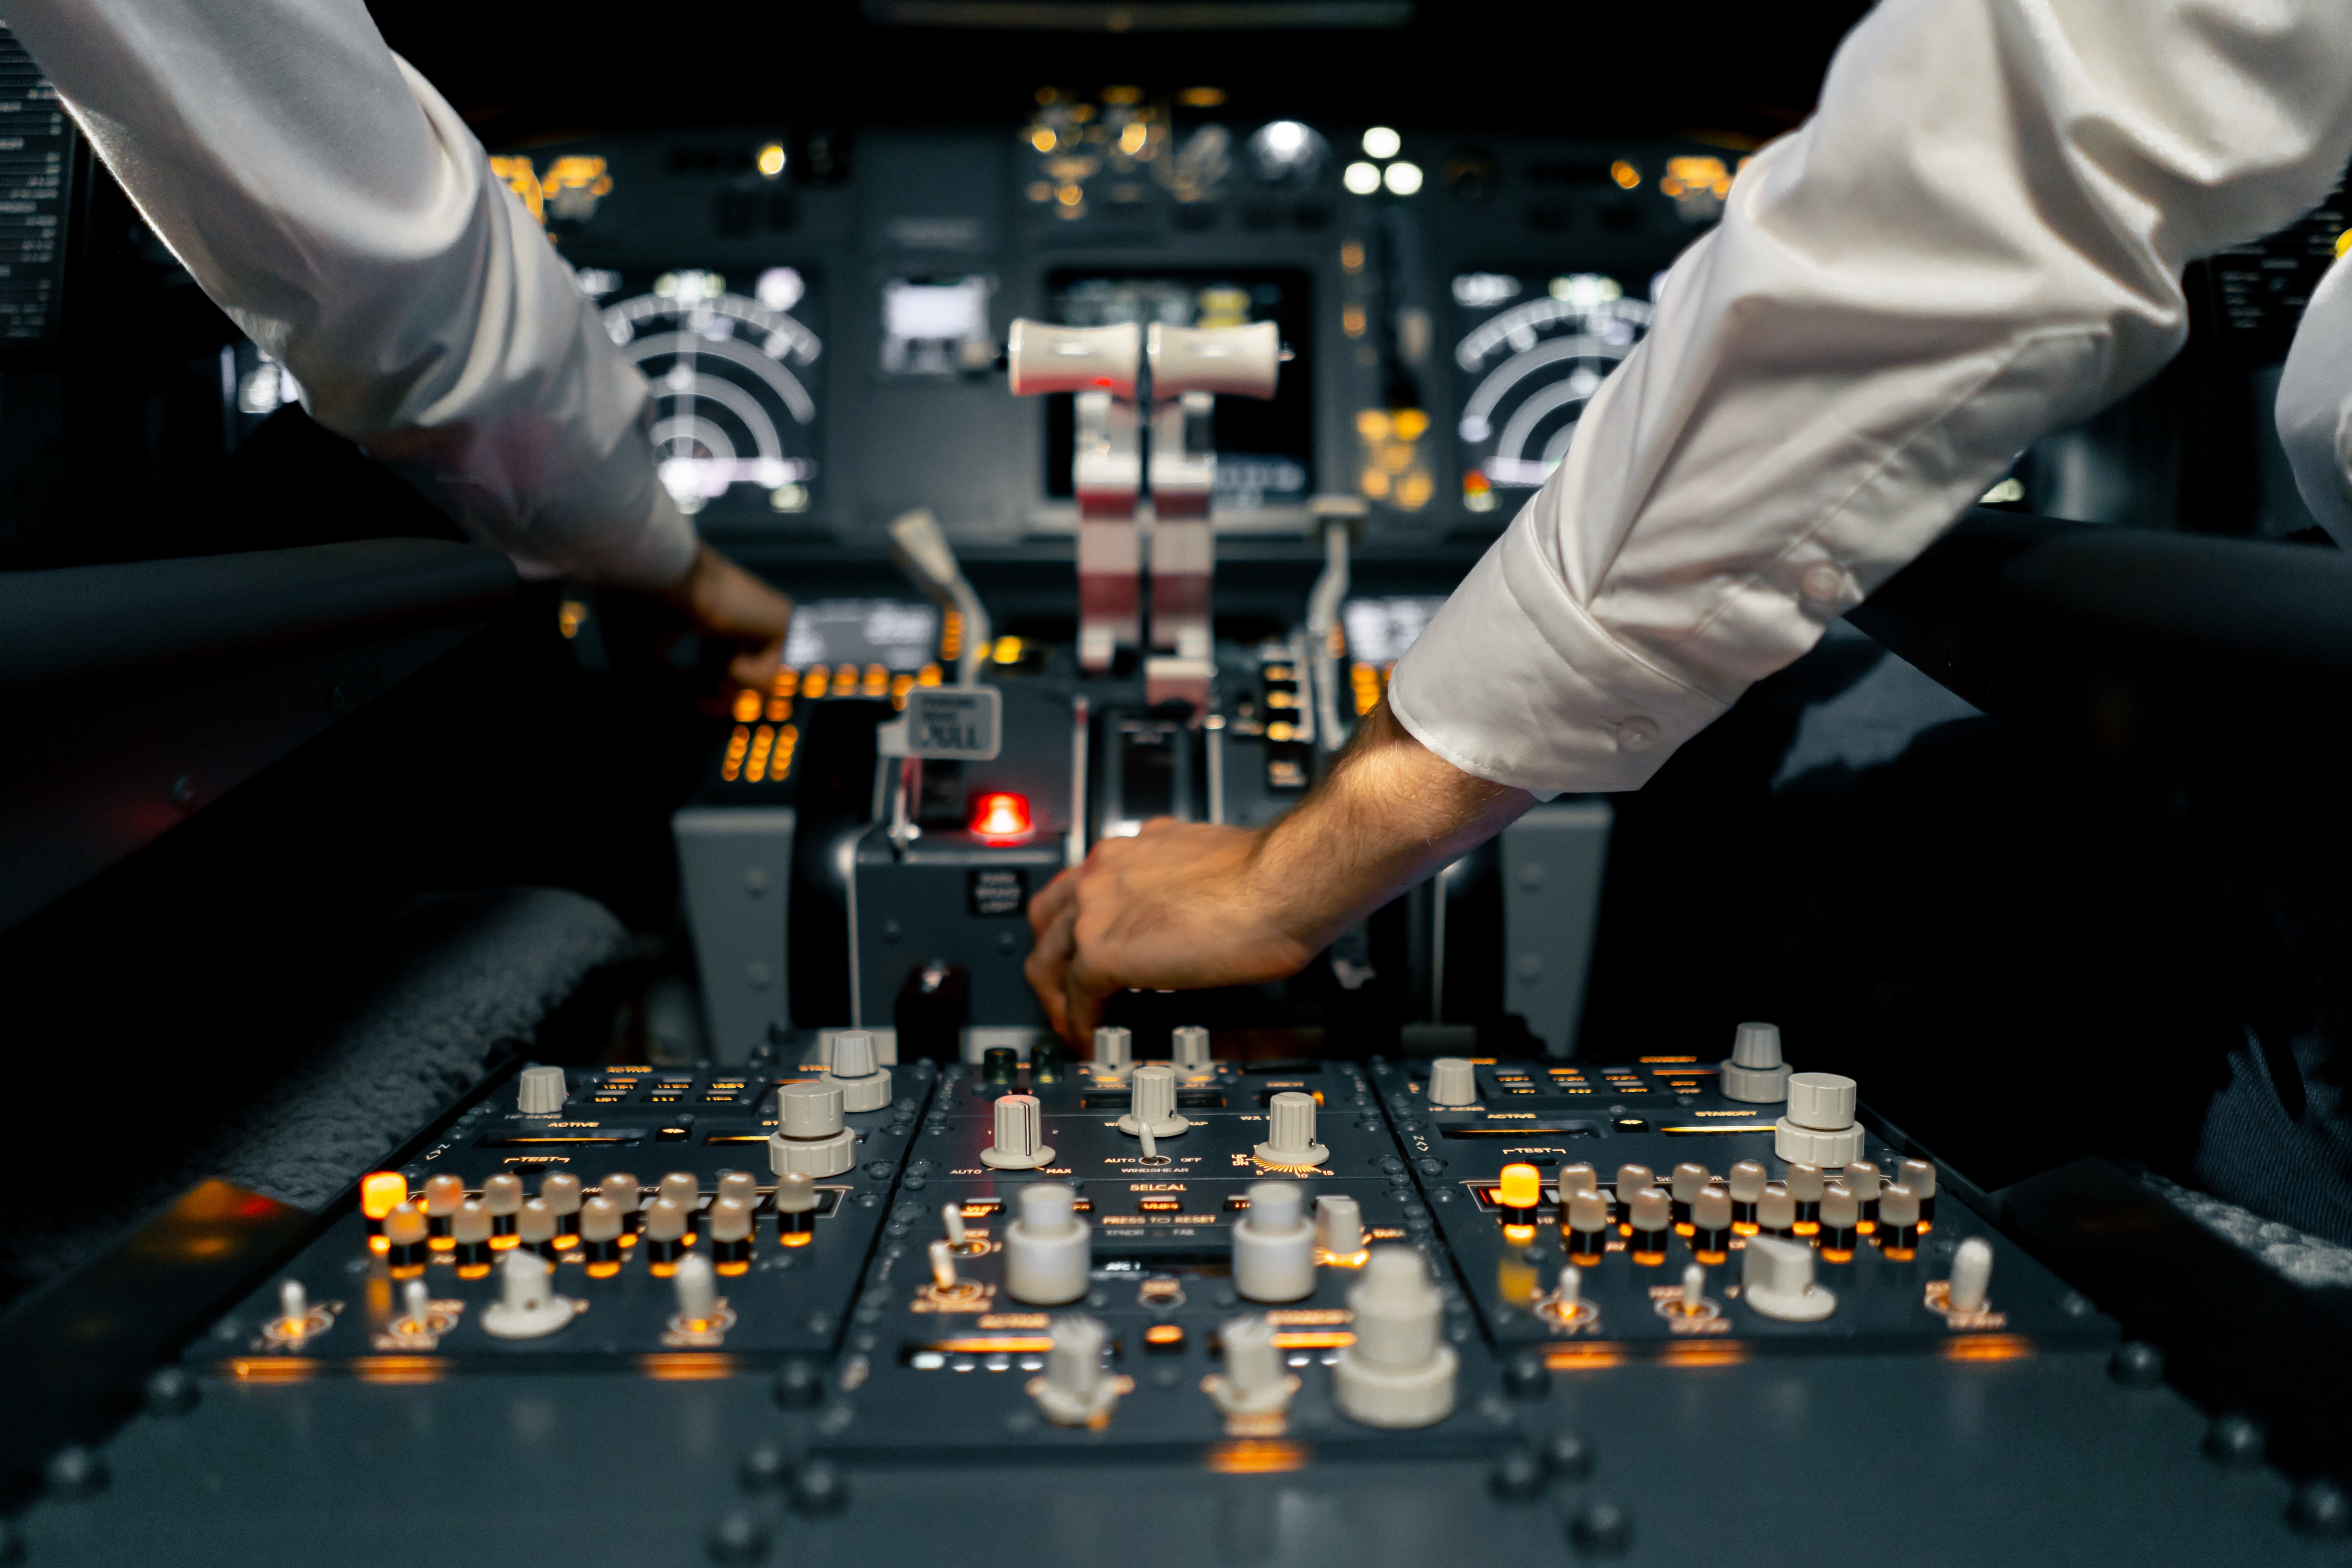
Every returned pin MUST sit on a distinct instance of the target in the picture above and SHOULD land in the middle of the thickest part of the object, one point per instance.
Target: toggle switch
(1019, 1142)
(527, 1307)
(1776, 1213)
(730, 1235)
(1649, 1224)
(702, 1313)
(1776, 1280)
(1805, 1185)
(1689, 1304)
(541, 1092)
(601, 1225)
(1518, 1196)
(1840, 1217)
(1152, 1102)
(1273, 1245)
(1338, 1229)
(470, 1240)
(809, 1139)
(740, 1186)
(404, 1232)
(562, 1193)
(1400, 1372)
(1048, 1249)
(1253, 1382)
(442, 1197)
(1755, 1074)
(1453, 1082)
(1580, 1178)
(1711, 1229)
(502, 1199)
(1820, 1127)
(1920, 1175)
(960, 1241)
(1586, 1230)
(1971, 1275)
(1630, 1179)
(1746, 1185)
(865, 1084)
(949, 1290)
(1898, 1223)
(795, 1205)
(535, 1230)
(1189, 1050)
(1290, 1127)
(621, 1191)
(1688, 1181)
(665, 1234)
(1076, 1389)
(1863, 1180)
(684, 1188)
(1114, 1050)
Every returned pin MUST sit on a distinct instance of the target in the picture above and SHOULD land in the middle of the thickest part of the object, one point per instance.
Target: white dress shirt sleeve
(339, 210)
(2314, 404)
(1978, 238)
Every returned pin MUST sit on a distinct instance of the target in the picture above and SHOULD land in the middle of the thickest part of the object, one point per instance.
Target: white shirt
(339, 210)
(1978, 238)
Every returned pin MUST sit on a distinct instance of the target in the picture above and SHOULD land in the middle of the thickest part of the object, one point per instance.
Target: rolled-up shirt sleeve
(1978, 238)
(336, 206)
(2314, 404)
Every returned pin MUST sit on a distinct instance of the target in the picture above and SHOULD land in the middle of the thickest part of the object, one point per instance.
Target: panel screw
(1517, 1476)
(2235, 1441)
(1569, 1457)
(74, 1472)
(1600, 1529)
(738, 1538)
(798, 1385)
(763, 1469)
(2320, 1508)
(2136, 1364)
(818, 1489)
(1526, 1376)
(171, 1392)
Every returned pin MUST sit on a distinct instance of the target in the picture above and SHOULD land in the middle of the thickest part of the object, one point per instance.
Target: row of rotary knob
(1398, 1373)
(1018, 1142)
(1820, 1127)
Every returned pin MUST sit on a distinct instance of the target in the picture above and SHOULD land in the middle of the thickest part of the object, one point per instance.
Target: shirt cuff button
(1637, 734)
(1824, 584)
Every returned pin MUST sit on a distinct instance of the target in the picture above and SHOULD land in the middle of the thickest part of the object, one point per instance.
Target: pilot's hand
(1182, 906)
(1174, 908)
(726, 602)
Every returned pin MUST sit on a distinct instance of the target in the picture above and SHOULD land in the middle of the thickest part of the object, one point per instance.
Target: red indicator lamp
(1000, 818)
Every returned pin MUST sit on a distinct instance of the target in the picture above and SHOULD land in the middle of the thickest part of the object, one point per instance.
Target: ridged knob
(1453, 1081)
(1399, 1373)
(1154, 1102)
(1114, 1049)
(541, 1092)
(1020, 1139)
(1188, 1048)
(1290, 1133)
(1776, 1280)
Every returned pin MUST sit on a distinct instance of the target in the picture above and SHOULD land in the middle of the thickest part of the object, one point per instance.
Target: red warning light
(1000, 818)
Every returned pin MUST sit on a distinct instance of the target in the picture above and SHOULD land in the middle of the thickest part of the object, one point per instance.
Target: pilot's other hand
(728, 603)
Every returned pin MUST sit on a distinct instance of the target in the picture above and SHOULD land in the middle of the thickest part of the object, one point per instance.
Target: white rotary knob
(1400, 1372)
(1290, 1133)
(864, 1082)
(1453, 1081)
(1020, 1141)
(1153, 1105)
(1049, 1248)
(541, 1092)
(810, 1140)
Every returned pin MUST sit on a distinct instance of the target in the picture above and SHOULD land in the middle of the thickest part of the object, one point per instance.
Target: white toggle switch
(1453, 1081)
(526, 1308)
(1776, 1280)
(1755, 1075)
(809, 1139)
(541, 1092)
(1154, 1102)
(1400, 1372)
(1190, 1049)
(1273, 1245)
(1820, 1127)
(1077, 1389)
(697, 1289)
(1290, 1133)
(1114, 1050)
(1020, 1142)
(1338, 1227)
(1236, 361)
(1048, 1249)
(1253, 1382)
(1971, 1275)
(858, 1072)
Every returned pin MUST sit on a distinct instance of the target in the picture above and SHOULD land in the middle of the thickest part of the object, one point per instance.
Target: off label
(954, 722)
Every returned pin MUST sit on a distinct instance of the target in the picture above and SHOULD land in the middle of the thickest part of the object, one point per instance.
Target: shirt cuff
(1513, 682)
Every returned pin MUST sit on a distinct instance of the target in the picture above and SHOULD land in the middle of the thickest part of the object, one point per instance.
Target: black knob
(1525, 1376)
(738, 1538)
(817, 1489)
(1047, 1062)
(1569, 1457)
(1517, 1476)
(74, 1472)
(2320, 1508)
(1001, 1064)
(1600, 1529)
(763, 1469)
(2236, 1441)
(171, 1392)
